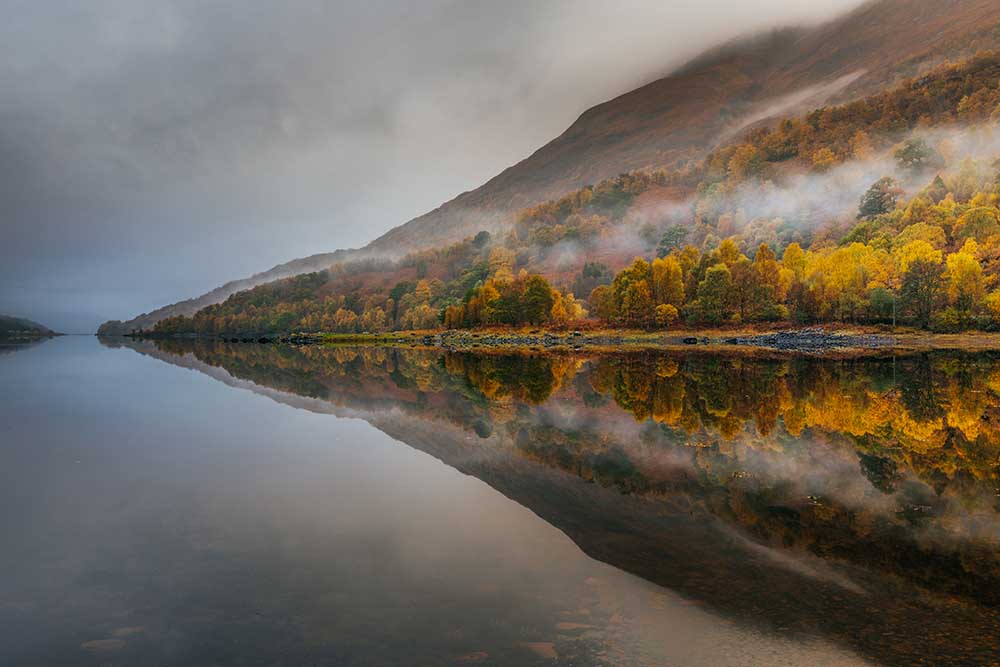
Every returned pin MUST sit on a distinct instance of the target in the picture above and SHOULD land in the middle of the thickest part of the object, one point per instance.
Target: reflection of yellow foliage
(726, 397)
(666, 368)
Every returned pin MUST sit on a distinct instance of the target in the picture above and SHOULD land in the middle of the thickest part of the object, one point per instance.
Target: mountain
(20, 328)
(916, 157)
(685, 114)
(682, 116)
(220, 294)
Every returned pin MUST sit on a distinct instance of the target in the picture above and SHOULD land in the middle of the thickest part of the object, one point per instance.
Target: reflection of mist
(801, 564)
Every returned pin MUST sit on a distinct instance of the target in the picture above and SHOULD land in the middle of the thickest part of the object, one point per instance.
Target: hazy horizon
(157, 150)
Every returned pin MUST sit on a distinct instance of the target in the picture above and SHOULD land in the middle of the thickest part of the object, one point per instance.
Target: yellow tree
(768, 271)
(665, 314)
(965, 279)
(794, 259)
(667, 282)
(728, 252)
(918, 250)
(559, 314)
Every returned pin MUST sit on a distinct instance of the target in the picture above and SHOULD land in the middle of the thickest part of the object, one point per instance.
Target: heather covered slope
(683, 116)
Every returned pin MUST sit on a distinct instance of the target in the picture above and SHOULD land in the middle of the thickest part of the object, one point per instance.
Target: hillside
(880, 210)
(20, 328)
(684, 115)
(681, 117)
(219, 294)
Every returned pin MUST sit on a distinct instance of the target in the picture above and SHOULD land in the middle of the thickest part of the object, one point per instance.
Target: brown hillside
(685, 114)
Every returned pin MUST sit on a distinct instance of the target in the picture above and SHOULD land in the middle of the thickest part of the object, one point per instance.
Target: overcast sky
(151, 150)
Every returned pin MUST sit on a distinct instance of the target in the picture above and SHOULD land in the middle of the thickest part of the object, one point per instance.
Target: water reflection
(8, 346)
(850, 500)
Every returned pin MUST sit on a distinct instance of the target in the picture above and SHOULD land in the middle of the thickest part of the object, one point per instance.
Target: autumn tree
(637, 303)
(823, 160)
(744, 292)
(667, 281)
(665, 314)
(603, 304)
(977, 223)
(965, 281)
(745, 163)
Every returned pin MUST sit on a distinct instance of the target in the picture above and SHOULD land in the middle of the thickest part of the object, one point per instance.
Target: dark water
(216, 504)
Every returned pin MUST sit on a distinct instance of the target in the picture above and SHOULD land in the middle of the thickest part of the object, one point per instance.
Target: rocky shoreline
(809, 340)
(812, 340)
(815, 339)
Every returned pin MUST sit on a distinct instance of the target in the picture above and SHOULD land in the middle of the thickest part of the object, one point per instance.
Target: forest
(919, 247)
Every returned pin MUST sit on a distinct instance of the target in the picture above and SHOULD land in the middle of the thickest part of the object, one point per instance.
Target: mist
(152, 151)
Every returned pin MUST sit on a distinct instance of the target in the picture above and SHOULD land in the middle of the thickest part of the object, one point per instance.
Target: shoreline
(813, 340)
(27, 338)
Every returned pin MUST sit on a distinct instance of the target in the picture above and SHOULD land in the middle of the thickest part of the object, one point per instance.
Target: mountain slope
(683, 116)
(19, 327)
(220, 294)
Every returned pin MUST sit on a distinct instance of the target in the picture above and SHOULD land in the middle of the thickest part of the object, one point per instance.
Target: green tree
(537, 300)
(880, 198)
(714, 293)
(672, 239)
(482, 239)
(914, 155)
(920, 290)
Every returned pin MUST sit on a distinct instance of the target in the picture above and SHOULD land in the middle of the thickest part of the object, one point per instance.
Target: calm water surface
(241, 504)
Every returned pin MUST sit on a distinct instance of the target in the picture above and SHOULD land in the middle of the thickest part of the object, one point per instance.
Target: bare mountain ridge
(683, 116)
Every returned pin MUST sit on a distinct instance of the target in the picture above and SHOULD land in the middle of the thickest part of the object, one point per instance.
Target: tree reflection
(718, 476)
(889, 463)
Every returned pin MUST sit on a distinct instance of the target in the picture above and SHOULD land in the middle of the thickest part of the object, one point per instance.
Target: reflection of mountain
(8, 345)
(784, 495)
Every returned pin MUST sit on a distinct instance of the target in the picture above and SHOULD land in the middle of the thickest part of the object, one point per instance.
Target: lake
(206, 503)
